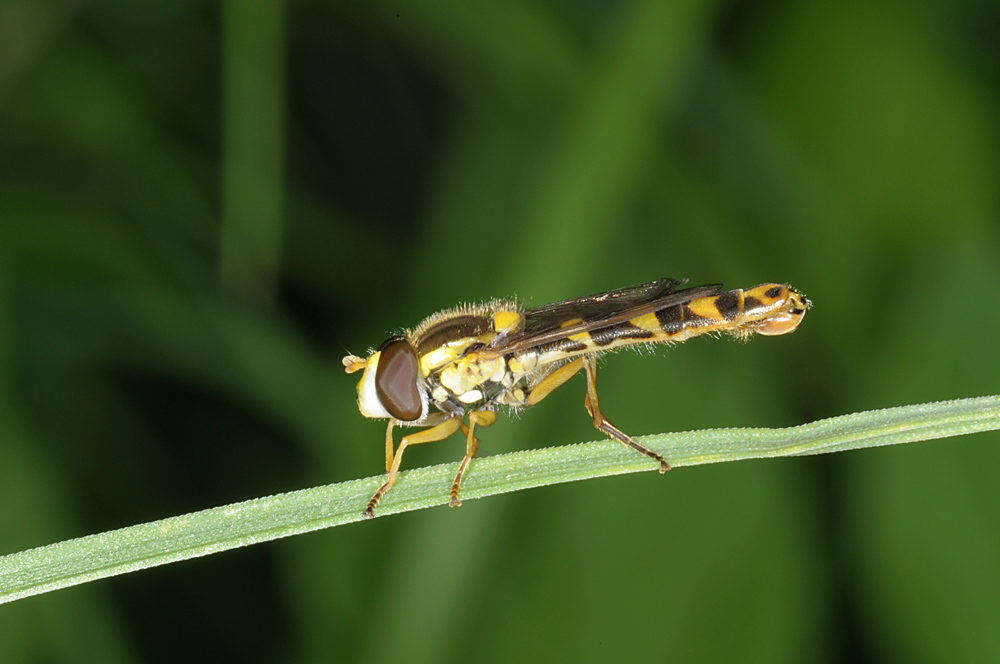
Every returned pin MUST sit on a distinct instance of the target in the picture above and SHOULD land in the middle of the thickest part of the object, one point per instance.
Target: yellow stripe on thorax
(504, 321)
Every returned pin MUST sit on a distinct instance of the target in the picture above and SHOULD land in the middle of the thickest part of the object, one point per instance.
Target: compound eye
(396, 380)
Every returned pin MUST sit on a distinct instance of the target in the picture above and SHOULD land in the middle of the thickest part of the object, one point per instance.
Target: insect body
(464, 362)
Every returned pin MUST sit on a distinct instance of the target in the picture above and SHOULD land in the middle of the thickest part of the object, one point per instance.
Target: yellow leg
(389, 454)
(482, 418)
(439, 432)
(556, 379)
(433, 420)
(604, 425)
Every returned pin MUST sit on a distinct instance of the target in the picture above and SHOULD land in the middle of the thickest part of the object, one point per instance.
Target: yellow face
(368, 402)
(391, 385)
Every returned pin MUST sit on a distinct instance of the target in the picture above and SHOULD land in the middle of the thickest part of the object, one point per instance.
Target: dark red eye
(396, 380)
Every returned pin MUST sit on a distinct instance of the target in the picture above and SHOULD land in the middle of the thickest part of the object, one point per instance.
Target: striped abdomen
(769, 309)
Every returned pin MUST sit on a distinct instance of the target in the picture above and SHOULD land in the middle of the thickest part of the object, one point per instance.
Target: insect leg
(604, 424)
(431, 421)
(482, 418)
(556, 379)
(439, 432)
(389, 453)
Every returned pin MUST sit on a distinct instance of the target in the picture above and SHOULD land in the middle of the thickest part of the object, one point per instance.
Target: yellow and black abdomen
(769, 309)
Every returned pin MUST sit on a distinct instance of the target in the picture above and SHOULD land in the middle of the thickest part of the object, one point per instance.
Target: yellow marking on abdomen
(705, 307)
(648, 322)
(579, 337)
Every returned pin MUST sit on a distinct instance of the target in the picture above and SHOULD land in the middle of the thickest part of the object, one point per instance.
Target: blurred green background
(204, 206)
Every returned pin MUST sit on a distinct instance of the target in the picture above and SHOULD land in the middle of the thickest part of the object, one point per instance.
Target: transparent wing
(551, 322)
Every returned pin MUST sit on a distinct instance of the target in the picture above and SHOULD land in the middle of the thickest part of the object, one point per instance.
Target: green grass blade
(98, 556)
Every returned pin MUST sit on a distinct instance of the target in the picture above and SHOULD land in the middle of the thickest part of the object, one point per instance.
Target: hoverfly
(464, 362)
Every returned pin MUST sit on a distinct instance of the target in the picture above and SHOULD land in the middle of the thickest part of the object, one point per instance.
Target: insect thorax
(461, 375)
